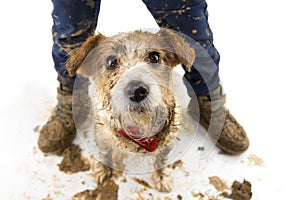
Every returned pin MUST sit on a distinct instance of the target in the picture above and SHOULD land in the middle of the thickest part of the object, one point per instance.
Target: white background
(259, 46)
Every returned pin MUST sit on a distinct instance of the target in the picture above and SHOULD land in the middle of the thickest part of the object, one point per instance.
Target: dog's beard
(142, 123)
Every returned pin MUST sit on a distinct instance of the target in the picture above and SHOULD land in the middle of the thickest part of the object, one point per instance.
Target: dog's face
(133, 74)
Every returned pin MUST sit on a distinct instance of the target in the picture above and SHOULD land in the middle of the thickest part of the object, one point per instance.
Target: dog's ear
(79, 55)
(183, 52)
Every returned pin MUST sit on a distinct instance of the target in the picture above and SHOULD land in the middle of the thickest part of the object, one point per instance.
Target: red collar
(149, 145)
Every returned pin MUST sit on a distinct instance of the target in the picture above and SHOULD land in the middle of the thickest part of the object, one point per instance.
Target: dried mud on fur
(72, 161)
(239, 191)
(107, 191)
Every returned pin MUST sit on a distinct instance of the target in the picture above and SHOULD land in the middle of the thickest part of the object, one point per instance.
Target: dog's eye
(111, 62)
(153, 57)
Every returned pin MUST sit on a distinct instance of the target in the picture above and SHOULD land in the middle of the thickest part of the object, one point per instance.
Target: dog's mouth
(137, 133)
(146, 135)
(141, 125)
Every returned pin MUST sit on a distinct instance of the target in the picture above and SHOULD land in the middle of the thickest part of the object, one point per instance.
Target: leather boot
(230, 136)
(59, 131)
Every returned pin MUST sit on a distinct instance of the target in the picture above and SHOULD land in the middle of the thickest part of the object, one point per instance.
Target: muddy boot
(233, 138)
(59, 132)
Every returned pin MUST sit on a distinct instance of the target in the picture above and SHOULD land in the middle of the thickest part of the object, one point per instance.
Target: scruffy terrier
(134, 105)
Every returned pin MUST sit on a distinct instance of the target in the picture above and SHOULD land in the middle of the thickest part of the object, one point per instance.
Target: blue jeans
(74, 21)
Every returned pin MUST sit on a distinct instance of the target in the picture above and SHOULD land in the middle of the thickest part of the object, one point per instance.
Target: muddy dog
(134, 105)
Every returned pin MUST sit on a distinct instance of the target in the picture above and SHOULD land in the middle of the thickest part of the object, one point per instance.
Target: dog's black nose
(137, 91)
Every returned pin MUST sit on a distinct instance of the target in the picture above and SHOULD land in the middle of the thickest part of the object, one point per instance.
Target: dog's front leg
(101, 171)
(161, 177)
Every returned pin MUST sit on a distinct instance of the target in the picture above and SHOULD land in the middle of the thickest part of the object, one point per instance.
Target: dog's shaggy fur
(117, 64)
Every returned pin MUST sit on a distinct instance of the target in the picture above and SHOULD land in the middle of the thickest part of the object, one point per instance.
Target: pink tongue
(135, 131)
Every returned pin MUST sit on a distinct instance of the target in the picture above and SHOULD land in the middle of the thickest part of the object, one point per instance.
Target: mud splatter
(37, 129)
(218, 183)
(198, 194)
(47, 198)
(90, 3)
(201, 148)
(255, 160)
(107, 191)
(178, 164)
(141, 182)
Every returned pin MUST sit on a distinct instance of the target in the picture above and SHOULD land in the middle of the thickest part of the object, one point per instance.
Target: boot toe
(54, 137)
(233, 139)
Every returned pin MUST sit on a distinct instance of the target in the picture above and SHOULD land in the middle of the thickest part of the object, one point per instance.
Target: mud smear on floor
(198, 194)
(178, 164)
(218, 183)
(72, 161)
(239, 191)
(107, 191)
(141, 182)
(255, 160)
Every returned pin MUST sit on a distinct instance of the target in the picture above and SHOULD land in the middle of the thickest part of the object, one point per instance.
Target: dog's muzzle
(142, 125)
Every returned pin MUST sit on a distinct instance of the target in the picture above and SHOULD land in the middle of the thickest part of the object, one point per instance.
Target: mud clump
(239, 191)
(201, 148)
(72, 161)
(107, 191)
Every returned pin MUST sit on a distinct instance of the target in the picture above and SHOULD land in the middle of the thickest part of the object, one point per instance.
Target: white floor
(260, 79)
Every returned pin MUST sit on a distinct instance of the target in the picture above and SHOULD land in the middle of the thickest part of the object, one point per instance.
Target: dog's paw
(101, 172)
(162, 180)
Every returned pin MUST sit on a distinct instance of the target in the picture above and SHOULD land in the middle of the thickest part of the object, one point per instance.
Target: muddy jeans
(75, 20)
